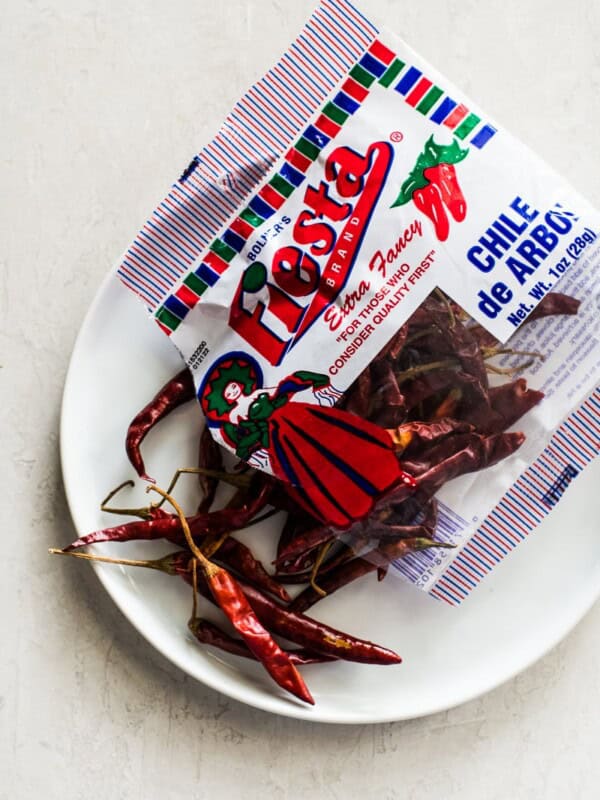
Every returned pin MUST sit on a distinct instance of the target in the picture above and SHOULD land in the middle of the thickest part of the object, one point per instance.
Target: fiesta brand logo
(273, 308)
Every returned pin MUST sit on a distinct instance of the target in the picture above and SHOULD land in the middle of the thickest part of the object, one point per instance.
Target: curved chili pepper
(387, 399)
(442, 450)
(174, 393)
(412, 436)
(232, 600)
(208, 633)
(167, 526)
(509, 403)
(210, 456)
(162, 526)
(316, 635)
(428, 199)
(554, 303)
(486, 452)
(236, 556)
(303, 544)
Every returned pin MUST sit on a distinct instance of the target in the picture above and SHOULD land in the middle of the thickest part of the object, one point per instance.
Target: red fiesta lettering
(260, 312)
(295, 272)
(348, 169)
(271, 309)
(323, 206)
(318, 235)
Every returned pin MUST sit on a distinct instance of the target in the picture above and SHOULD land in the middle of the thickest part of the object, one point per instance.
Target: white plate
(450, 655)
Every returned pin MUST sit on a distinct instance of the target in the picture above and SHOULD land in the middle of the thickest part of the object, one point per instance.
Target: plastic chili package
(387, 303)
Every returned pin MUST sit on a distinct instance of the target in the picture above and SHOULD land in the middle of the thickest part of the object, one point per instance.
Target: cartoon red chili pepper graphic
(433, 186)
(429, 200)
(444, 177)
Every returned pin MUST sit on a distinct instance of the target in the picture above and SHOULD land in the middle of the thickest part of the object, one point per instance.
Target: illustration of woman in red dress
(337, 463)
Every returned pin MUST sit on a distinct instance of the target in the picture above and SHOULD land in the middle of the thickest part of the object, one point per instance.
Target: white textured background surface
(102, 105)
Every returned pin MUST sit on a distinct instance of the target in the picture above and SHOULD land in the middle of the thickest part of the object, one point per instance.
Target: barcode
(420, 568)
(559, 486)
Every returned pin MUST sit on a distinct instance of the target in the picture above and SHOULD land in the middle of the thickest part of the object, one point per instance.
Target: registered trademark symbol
(396, 136)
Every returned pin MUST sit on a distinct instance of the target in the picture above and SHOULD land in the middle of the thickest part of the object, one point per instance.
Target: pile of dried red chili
(429, 388)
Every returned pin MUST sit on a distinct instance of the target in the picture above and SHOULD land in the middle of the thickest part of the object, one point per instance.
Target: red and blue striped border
(529, 500)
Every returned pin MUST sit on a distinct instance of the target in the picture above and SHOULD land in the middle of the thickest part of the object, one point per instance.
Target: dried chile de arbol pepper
(316, 635)
(554, 303)
(551, 304)
(378, 558)
(233, 601)
(208, 633)
(163, 525)
(236, 556)
(210, 457)
(174, 393)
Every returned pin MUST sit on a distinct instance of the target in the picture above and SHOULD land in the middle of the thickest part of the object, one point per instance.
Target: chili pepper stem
(510, 371)
(490, 352)
(210, 548)
(323, 550)
(448, 405)
(418, 335)
(195, 590)
(208, 567)
(422, 543)
(449, 309)
(407, 374)
(142, 513)
(239, 480)
(160, 564)
(110, 495)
